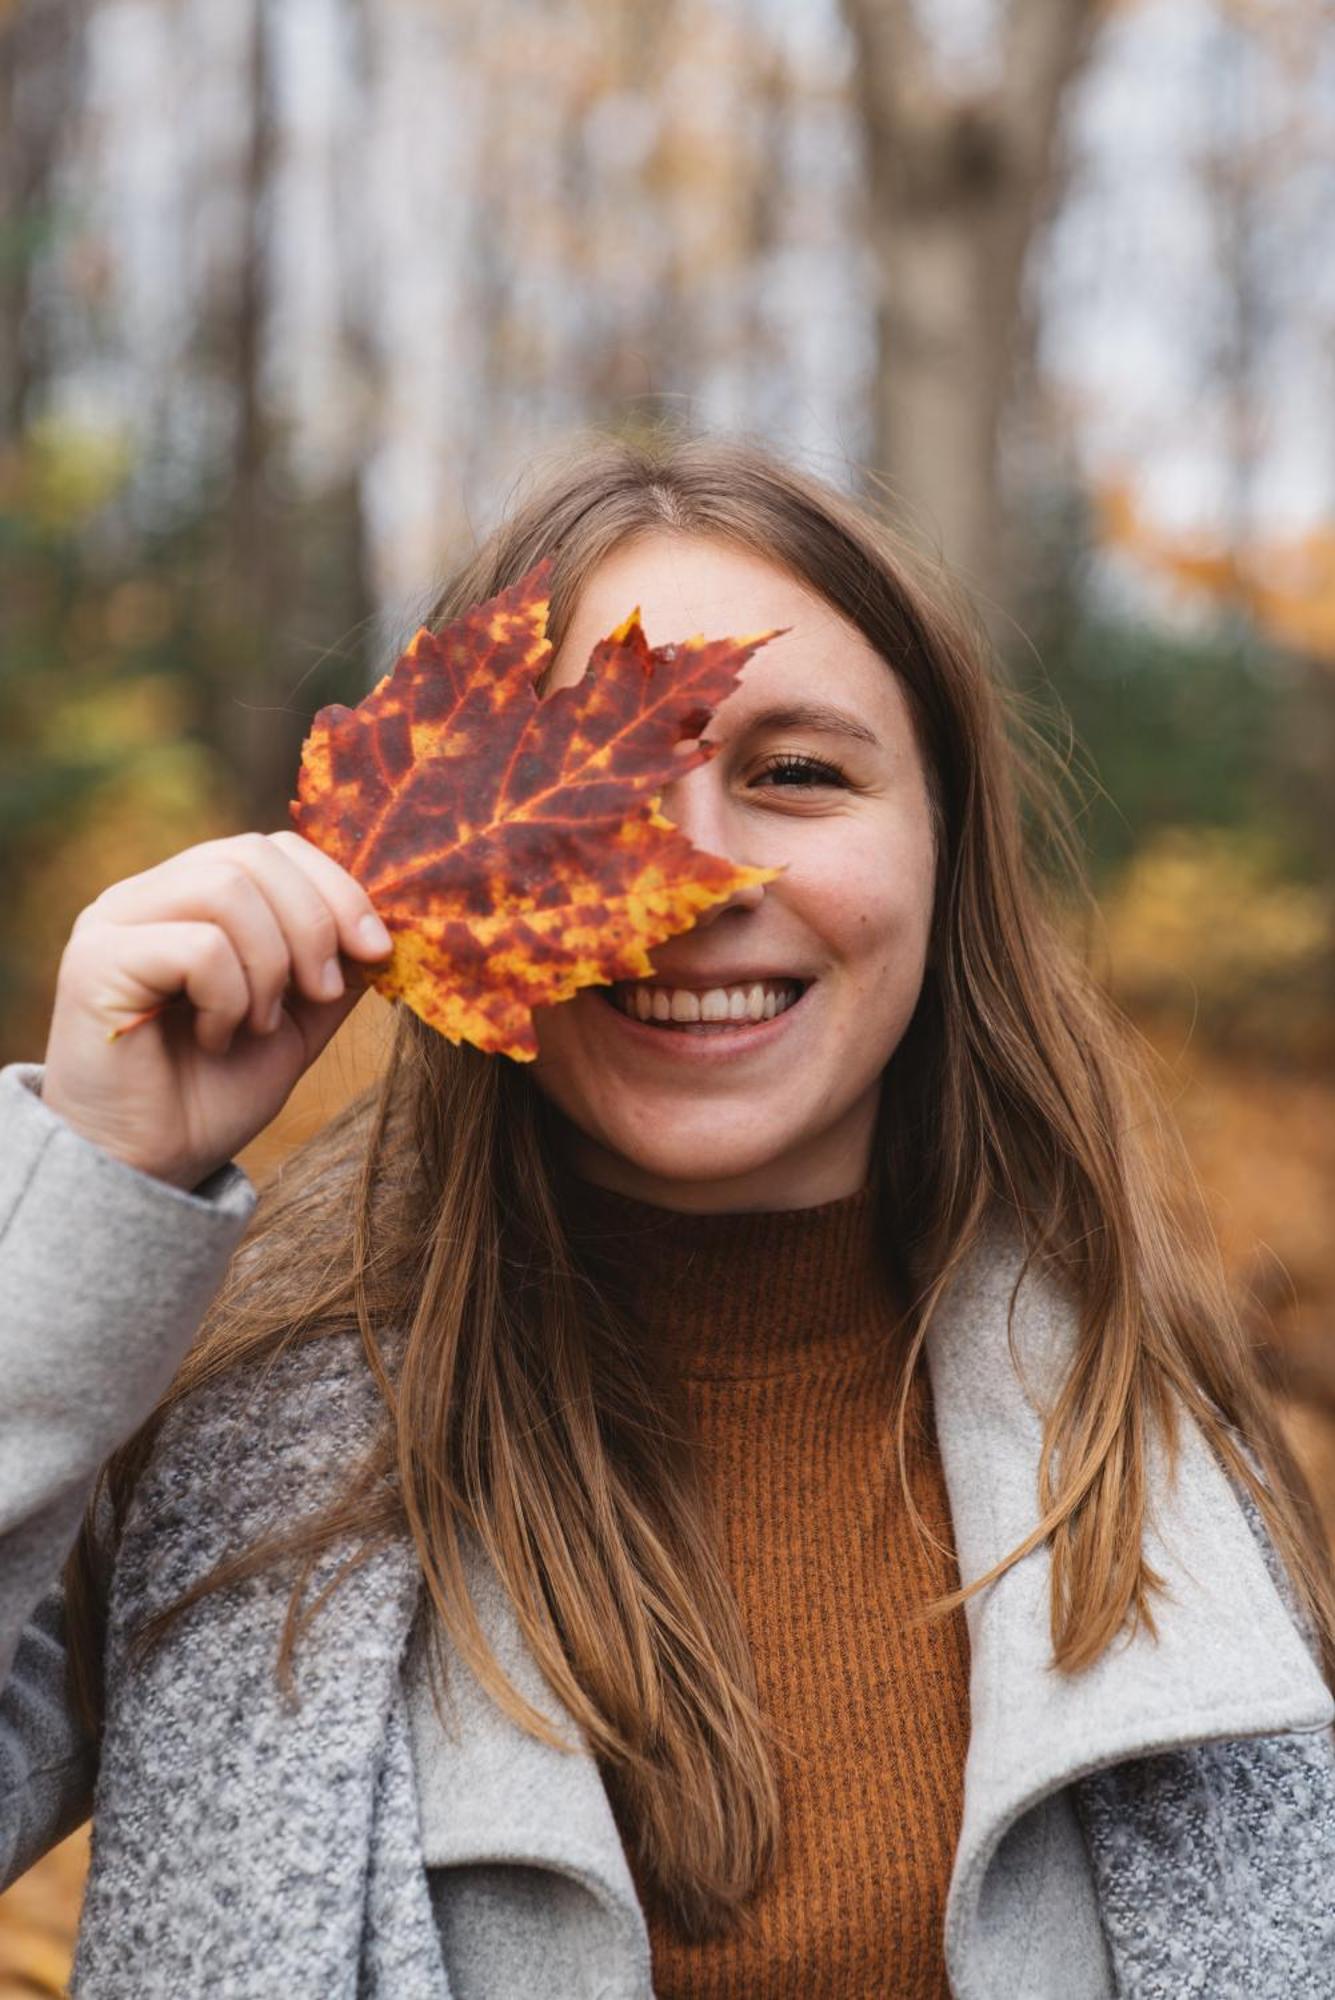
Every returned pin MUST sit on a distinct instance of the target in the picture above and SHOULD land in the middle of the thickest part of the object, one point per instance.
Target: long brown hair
(521, 1405)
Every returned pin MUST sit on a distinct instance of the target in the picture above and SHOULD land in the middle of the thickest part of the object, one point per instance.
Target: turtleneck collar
(742, 1292)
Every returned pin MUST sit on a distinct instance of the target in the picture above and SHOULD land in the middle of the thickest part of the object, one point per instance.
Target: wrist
(116, 1143)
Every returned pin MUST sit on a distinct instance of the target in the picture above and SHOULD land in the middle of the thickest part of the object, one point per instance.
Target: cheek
(874, 916)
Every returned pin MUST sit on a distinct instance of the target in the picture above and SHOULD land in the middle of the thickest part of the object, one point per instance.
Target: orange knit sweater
(784, 1326)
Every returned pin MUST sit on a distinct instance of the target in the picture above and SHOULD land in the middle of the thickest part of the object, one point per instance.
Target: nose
(697, 804)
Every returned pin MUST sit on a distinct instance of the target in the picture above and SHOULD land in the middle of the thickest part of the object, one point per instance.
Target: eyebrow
(818, 715)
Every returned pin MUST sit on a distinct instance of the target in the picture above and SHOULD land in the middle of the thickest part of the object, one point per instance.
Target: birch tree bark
(958, 182)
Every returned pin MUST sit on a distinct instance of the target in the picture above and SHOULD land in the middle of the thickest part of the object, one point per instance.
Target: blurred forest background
(291, 293)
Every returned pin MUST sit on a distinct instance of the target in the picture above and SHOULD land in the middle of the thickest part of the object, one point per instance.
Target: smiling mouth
(717, 1010)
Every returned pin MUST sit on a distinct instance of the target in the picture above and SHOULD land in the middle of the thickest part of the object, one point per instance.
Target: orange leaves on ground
(511, 843)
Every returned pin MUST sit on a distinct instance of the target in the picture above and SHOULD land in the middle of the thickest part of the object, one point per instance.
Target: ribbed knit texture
(784, 1326)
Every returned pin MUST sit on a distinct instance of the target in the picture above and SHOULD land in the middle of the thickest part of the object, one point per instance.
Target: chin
(691, 1158)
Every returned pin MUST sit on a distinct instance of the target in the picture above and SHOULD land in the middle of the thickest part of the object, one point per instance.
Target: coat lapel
(1228, 1661)
(493, 1799)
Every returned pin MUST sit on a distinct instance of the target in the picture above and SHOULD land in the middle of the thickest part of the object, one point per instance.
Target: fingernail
(331, 979)
(273, 1017)
(374, 936)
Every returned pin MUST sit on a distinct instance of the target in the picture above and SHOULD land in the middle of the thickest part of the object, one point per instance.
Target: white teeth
(760, 1001)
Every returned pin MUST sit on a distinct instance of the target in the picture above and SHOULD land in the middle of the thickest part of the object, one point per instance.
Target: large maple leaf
(513, 844)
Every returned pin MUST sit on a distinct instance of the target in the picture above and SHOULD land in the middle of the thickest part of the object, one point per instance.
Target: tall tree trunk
(41, 80)
(957, 184)
(246, 564)
(256, 538)
(293, 564)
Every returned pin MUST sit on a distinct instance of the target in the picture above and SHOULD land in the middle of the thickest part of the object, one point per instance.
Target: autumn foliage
(512, 843)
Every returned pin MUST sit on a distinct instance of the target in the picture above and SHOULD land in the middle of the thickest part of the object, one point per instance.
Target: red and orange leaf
(513, 844)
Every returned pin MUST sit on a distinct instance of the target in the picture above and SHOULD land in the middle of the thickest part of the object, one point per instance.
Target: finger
(318, 1021)
(362, 933)
(308, 923)
(123, 970)
(212, 887)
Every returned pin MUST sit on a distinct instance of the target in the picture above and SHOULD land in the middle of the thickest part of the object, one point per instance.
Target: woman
(771, 1505)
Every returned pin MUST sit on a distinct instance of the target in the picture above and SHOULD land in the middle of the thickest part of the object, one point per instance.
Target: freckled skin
(789, 1125)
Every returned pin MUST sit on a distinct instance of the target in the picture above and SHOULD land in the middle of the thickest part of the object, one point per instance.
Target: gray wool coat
(1163, 1825)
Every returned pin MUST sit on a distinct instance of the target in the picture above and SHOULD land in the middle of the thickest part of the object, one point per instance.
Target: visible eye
(805, 771)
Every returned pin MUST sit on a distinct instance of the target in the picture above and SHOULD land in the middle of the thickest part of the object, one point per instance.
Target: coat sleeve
(105, 1274)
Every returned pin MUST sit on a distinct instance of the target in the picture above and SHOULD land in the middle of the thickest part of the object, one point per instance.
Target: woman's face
(777, 1114)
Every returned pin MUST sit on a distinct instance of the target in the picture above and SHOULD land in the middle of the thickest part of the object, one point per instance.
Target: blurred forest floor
(1262, 1138)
